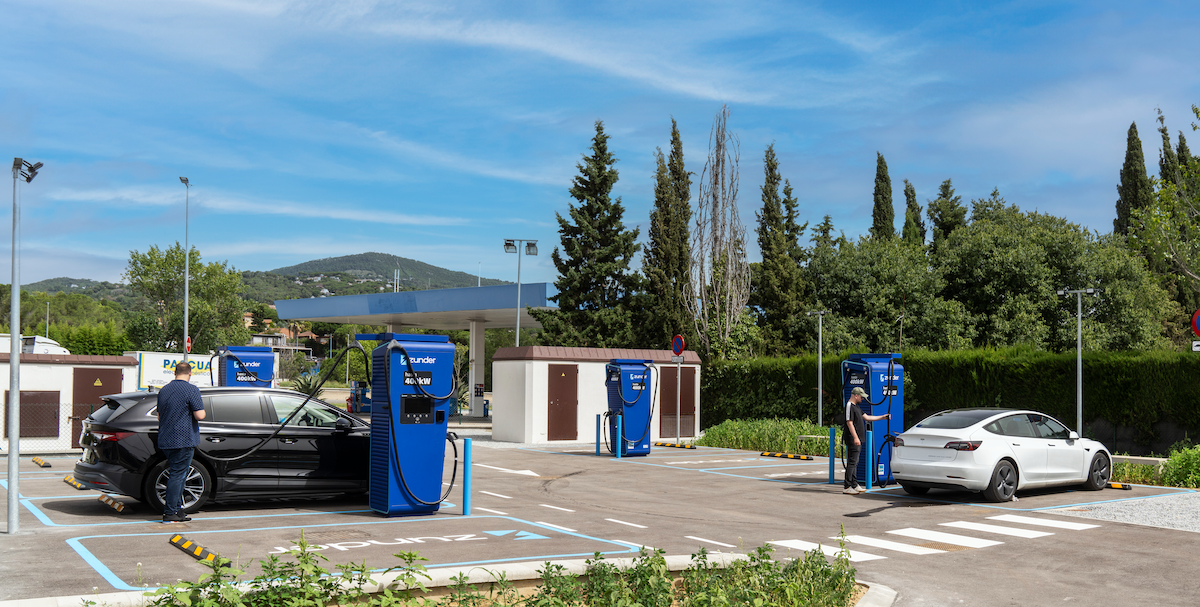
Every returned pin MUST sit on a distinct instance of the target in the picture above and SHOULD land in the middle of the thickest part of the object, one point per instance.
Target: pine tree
(595, 286)
(946, 214)
(667, 256)
(884, 213)
(1134, 192)
(914, 226)
(1168, 163)
(822, 237)
(1182, 153)
(775, 288)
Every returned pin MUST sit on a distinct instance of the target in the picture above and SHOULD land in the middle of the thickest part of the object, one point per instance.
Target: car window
(1013, 425)
(953, 420)
(233, 408)
(1048, 428)
(313, 415)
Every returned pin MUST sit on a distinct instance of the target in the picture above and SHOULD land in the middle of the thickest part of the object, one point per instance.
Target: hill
(96, 289)
(381, 266)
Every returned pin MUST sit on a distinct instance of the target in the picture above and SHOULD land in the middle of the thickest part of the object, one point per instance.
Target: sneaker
(177, 517)
(860, 489)
(850, 491)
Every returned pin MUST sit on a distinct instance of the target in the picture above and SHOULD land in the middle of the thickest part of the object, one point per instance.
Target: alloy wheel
(1006, 482)
(193, 487)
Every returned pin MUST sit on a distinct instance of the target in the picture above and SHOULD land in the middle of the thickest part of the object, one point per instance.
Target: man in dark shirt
(853, 435)
(179, 411)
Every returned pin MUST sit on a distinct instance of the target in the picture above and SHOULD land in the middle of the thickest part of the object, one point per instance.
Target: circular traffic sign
(677, 341)
(1196, 323)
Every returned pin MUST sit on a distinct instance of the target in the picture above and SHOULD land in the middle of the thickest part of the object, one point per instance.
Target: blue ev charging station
(245, 366)
(630, 405)
(882, 377)
(412, 380)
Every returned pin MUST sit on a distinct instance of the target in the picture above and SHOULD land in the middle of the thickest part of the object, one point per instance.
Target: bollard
(620, 442)
(466, 477)
(870, 465)
(832, 454)
(597, 434)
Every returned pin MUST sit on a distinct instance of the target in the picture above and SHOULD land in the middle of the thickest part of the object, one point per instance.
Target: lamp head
(531, 247)
(510, 246)
(17, 162)
(1062, 292)
(184, 180)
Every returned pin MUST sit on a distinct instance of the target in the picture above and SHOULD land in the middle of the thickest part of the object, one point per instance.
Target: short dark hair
(183, 369)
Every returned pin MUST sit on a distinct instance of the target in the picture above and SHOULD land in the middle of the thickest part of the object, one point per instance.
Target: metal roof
(446, 309)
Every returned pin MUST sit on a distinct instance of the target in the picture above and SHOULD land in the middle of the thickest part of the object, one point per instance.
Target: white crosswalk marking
(890, 545)
(1012, 518)
(853, 555)
(1013, 531)
(945, 538)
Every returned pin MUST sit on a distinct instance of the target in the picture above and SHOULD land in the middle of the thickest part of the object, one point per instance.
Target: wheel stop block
(192, 549)
(70, 480)
(41, 462)
(117, 505)
(1125, 486)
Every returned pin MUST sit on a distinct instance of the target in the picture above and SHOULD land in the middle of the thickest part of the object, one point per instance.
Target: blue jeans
(178, 462)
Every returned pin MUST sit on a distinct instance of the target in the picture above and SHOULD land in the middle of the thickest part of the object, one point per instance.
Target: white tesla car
(996, 451)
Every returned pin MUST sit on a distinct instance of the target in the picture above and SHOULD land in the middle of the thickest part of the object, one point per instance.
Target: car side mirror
(1073, 435)
(342, 425)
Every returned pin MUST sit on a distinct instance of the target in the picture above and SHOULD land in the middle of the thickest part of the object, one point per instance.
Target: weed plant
(770, 435)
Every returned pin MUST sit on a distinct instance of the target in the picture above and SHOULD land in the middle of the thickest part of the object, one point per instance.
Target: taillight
(897, 442)
(964, 445)
(111, 436)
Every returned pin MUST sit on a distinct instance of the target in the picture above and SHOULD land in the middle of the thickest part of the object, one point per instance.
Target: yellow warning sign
(97, 382)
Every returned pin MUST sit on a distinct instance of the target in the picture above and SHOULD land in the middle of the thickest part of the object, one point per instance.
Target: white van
(32, 344)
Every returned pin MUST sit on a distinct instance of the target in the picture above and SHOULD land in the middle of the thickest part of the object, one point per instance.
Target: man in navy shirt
(179, 411)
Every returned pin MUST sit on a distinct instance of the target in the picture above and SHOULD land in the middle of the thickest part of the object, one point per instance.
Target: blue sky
(434, 130)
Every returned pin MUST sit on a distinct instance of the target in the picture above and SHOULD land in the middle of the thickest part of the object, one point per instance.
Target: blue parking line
(76, 544)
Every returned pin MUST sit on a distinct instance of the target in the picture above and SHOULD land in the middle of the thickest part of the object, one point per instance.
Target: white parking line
(492, 511)
(557, 508)
(556, 526)
(1012, 518)
(945, 538)
(635, 545)
(853, 555)
(495, 495)
(613, 520)
(1013, 531)
(890, 545)
(700, 539)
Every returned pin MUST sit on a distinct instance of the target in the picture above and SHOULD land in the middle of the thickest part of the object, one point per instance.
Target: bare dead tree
(720, 285)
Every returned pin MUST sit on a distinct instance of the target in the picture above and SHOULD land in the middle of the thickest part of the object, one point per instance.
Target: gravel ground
(1178, 511)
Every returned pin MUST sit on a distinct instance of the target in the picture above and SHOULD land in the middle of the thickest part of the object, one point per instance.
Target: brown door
(687, 402)
(89, 385)
(39, 414)
(562, 422)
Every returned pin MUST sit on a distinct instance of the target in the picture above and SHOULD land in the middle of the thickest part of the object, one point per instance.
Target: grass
(769, 435)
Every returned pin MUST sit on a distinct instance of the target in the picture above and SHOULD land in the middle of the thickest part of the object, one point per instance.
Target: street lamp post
(1078, 350)
(820, 350)
(510, 246)
(21, 170)
(187, 262)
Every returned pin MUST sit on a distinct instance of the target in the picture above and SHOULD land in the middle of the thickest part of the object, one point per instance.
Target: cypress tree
(914, 226)
(946, 214)
(790, 228)
(595, 286)
(1168, 163)
(1134, 192)
(667, 256)
(775, 288)
(883, 215)
(1182, 153)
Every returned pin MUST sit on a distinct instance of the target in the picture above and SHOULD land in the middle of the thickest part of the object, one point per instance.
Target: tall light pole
(820, 350)
(1078, 350)
(187, 262)
(510, 246)
(26, 171)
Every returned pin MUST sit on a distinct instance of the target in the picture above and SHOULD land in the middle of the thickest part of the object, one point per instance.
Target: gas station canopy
(444, 309)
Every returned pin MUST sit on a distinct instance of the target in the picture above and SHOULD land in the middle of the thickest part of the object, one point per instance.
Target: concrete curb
(877, 595)
(439, 577)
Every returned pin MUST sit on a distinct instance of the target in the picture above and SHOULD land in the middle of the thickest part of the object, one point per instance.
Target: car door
(1026, 446)
(234, 424)
(1064, 457)
(313, 453)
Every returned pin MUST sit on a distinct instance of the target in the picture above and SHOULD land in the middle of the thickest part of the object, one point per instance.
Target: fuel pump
(411, 386)
(630, 400)
(245, 366)
(883, 380)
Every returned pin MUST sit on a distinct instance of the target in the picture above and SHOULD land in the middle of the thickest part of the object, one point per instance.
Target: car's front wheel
(1099, 473)
(197, 486)
(1003, 483)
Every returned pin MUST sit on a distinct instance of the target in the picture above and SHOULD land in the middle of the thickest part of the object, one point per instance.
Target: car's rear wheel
(197, 486)
(1098, 473)
(911, 490)
(1003, 483)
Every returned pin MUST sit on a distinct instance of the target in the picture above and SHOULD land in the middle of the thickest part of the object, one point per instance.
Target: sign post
(677, 349)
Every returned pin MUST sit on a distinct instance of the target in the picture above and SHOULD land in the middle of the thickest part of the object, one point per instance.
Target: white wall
(54, 378)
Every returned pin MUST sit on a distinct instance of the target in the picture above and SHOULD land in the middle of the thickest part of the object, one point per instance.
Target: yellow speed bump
(676, 445)
(194, 550)
(70, 480)
(785, 455)
(107, 500)
(1125, 486)
(41, 462)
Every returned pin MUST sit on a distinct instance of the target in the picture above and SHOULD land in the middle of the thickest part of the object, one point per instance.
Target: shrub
(1182, 469)
(769, 435)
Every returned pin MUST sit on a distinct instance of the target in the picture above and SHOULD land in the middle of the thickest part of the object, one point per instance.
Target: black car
(322, 450)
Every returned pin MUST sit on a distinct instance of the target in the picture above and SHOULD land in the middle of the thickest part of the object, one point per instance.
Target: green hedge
(1131, 389)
